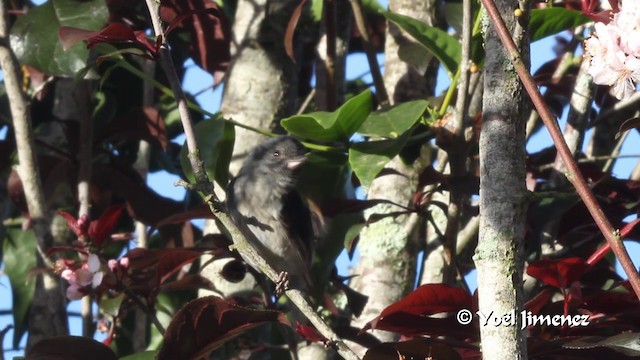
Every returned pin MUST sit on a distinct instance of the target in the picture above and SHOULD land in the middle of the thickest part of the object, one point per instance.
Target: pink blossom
(614, 51)
(79, 279)
(627, 23)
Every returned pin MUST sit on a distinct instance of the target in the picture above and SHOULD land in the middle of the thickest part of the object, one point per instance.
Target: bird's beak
(296, 162)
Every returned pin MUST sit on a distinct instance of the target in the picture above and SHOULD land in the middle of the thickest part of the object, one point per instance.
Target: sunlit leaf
(394, 121)
(34, 36)
(206, 323)
(444, 47)
(339, 125)
(368, 158)
(549, 21)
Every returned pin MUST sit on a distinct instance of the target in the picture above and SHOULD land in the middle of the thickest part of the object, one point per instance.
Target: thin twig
(458, 150)
(82, 94)
(147, 310)
(573, 172)
(306, 102)
(361, 23)
(331, 25)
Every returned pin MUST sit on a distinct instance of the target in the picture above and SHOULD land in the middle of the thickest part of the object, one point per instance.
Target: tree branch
(47, 316)
(361, 23)
(573, 172)
(204, 185)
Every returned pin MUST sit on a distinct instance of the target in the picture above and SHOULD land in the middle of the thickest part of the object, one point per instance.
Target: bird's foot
(282, 284)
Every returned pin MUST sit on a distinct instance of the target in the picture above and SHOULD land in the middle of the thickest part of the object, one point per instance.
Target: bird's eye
(276, 153)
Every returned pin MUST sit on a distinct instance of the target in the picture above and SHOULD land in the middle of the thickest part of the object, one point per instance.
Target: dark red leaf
(166, 262)
(600, 16)
(412, 349)
(70, 36)
(633, 123)
(559, 273)
(409, 315)
(199, 212)
(540, 300)
(418, 325)
(310, 333)
(189, 282)
(209, 29)
(626, 343)
(611, 302)
(69, 348)
(101, 228)
(180, 18)
(430, 176)
(138, 124)
(291, 29)
(206, 323)
(431, 299)
(143, 204)
(72, 223)
(118, 33)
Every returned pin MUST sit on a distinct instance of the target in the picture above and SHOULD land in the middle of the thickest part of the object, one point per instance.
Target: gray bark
(260, 88)
(499, 255)
(388, 248)
(262, 81)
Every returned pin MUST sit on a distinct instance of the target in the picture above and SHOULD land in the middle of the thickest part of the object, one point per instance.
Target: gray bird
(269, 211)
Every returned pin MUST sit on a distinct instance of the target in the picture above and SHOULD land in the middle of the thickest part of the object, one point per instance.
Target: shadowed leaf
(626, 343)
(206, 323)
(19, 248)
(291, 29)
(69, 348)
(559, 273)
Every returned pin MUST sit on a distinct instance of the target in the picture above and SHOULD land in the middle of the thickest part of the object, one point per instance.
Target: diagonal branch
(573, 173)
(205, 185)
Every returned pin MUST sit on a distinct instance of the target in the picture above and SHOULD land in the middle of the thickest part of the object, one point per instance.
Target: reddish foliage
(409, 316)
(96, 230)
(310, 333)
(559, 273)
(208, 27)
(70, 348)
(206, 323)
(114, 33)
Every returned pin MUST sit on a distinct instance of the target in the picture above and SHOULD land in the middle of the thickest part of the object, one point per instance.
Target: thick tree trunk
(261, 84)
(47, 314)
(260, 88)
(387, 266)
(499, 255)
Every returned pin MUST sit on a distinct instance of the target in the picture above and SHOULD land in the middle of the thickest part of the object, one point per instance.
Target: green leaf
(444, 47)
(394, 121)
(549, 21)
(339, 125)
(215, 139)
(367, 159)
(19, 257)
(34, 36)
